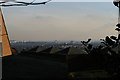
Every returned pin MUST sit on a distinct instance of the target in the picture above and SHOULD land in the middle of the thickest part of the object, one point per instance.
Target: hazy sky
(67, 0)
(61, 21)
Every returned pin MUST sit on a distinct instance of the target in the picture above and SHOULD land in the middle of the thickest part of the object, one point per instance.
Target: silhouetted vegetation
(106, 54)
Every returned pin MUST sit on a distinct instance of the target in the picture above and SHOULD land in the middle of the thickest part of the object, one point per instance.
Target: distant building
(13, 41)
(71, 51)
(51, 50)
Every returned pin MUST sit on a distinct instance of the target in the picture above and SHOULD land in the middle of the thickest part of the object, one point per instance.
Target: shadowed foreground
(21, 67)
(0, 67)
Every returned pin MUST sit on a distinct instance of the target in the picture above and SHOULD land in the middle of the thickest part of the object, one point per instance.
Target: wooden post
(6, 49)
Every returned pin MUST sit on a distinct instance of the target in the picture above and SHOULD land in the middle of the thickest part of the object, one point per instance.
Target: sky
(61, 21)
(67, 0)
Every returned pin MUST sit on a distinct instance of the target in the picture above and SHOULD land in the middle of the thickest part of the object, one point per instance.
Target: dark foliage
(106, 55)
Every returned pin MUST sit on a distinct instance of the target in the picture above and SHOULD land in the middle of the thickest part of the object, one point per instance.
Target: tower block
(6, 48)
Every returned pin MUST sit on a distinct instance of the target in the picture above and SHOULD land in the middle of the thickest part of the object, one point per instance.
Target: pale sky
(82, 0)
(61, 21)
(67, 0)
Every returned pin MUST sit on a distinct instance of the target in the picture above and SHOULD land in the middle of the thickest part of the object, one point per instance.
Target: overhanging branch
(18, 3)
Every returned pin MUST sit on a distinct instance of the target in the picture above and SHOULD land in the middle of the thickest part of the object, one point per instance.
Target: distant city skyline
(61, 21)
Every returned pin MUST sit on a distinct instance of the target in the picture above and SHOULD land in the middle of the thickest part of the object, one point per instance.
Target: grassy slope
(32, 68)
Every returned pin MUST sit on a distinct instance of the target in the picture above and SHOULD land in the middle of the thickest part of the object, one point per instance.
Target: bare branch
(17, 3)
